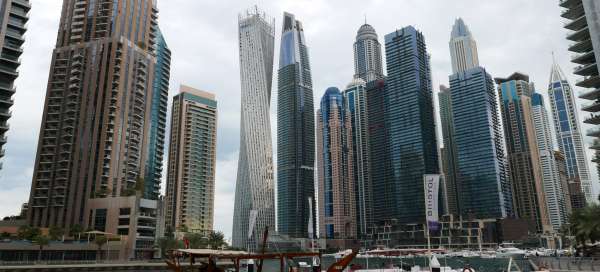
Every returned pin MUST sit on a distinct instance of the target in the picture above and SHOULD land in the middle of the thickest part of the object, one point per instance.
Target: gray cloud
(512, 35)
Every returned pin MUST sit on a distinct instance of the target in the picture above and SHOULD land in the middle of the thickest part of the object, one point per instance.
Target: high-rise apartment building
(482, 181)
(523, 155)
(93, 151)
(411, 133)
(561, 166)
(337, 213)
(190, 191)
(13, 18)
(553, 190)
(367, 55)
(448, 153)
(254, 191)
(295, 134)
(463, 48)
(568, 129)
(355, 98)
(158, 121)
(584, 33)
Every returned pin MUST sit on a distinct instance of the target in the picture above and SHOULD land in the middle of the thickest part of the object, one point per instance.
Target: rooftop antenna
(365, 18)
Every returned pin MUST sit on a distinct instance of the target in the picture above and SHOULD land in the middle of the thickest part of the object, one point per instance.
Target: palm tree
(76, 230)
(41, 241)
(216, 239)
(585, 224)
(100, 240)
(55, 232)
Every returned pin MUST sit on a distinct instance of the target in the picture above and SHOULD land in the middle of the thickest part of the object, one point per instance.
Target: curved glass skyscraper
(254, 185)
(295, 133)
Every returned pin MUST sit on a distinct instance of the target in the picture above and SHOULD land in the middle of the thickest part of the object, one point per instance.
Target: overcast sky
(512, 35)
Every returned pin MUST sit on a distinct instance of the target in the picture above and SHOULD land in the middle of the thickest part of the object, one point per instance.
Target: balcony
(594, 132)
(595, 145)
(579, 35)
(581, 46)
(569, 3)
(591, 107)
(577, 24)
(574, 9)
(586, 70)
(590, 95)
(592, 81)
(585, 58)
(594, 119)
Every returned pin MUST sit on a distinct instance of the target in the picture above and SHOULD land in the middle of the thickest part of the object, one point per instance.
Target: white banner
(432, 188)
(252, 222)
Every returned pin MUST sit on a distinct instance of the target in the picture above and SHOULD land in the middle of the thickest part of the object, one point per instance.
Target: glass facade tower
(411, 133)
(568, 129)
(482, 181)
(295, 134)
(448, 153)
(160, 98)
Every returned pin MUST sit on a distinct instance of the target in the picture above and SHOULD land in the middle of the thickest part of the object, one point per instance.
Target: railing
(568, 263)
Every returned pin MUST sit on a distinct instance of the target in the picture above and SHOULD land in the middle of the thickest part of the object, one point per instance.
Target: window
(100, 220)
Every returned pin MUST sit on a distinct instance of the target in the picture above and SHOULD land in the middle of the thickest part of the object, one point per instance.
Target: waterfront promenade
(563, 264)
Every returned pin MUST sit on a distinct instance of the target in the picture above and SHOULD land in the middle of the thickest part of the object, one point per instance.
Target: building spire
(556, 73)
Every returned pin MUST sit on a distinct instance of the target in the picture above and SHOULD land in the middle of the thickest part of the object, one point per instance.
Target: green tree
(41, 241)
(216, 239)
(76, 230)
(55, 232)
(22, 232)
(197, 240)
(168, 243)
(183, 228)
(100, 240)
(28, 233)
(585, 224)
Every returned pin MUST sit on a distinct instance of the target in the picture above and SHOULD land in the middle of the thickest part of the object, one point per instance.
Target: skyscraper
(337, 214)
(448, 153)
(553, 190)
(379, 154)
(568, 130)
(584, 25)
(13, 18)
(482, 181)
(355, 97)
(463, 48)
(160, 99)
(412, 143)
(523, 155)
(192, 158)
(254, 185)
(93, 151)
(295, 133)
(367, 54)
(475, 165)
